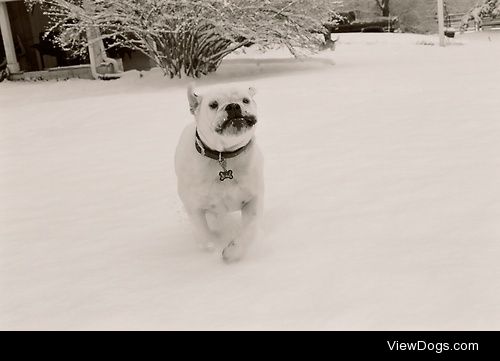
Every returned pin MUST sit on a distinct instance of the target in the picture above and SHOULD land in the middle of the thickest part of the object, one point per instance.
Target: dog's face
(225, 116)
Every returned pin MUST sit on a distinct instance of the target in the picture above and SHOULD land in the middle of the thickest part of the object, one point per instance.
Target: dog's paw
(232, 252)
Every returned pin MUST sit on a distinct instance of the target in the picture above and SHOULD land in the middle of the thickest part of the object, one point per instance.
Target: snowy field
(382, 196)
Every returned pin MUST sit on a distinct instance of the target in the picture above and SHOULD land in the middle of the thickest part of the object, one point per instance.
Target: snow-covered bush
(190, 36)
(491, 8)
(487, 8)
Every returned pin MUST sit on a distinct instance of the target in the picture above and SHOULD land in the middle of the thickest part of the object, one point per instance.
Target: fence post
(440, 12)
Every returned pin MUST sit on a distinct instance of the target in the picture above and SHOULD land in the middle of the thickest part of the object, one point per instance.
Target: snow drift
(382, 165)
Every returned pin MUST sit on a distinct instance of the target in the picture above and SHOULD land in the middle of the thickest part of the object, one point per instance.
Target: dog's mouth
(236, 124)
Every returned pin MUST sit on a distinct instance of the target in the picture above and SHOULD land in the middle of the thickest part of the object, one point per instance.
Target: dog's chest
(200, 185)
(229, 199)
(226, 196)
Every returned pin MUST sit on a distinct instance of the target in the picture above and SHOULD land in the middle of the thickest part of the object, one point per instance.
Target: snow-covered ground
(382, 196)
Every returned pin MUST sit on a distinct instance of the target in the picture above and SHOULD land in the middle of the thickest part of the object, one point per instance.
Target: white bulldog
(219, 166)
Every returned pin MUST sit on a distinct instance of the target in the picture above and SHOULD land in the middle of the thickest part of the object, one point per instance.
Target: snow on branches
(488, 8)
(190, 37)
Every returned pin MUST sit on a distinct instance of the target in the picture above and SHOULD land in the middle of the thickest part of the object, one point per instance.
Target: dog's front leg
(250, 217)
(205, 238)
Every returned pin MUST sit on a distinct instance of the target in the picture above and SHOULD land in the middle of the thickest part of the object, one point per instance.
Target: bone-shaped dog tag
(226, 174)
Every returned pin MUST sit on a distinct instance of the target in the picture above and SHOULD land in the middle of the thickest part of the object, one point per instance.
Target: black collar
(203, 149)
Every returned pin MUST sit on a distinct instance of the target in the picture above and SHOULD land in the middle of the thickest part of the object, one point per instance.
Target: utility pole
(440, 21)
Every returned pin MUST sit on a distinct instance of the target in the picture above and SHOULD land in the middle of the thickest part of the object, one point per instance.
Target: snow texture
(382, 172)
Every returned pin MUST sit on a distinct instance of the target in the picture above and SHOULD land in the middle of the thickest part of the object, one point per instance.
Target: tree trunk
(385, 10)
(384, 7)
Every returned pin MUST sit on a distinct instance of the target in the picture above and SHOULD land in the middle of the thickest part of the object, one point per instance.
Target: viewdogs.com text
(437, 347)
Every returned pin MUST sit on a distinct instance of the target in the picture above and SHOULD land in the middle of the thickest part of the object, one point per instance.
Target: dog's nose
(233, 108)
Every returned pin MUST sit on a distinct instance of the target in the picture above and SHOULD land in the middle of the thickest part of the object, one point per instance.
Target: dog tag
(225, 173)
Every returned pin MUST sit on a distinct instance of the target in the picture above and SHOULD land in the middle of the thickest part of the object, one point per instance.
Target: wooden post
(440, 22)
(8, 41)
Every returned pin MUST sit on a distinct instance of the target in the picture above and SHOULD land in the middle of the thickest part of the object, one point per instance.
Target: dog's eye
(246, 100)
(213, 105)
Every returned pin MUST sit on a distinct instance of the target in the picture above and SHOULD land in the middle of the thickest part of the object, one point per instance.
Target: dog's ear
(252, 91)
(193, 98)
